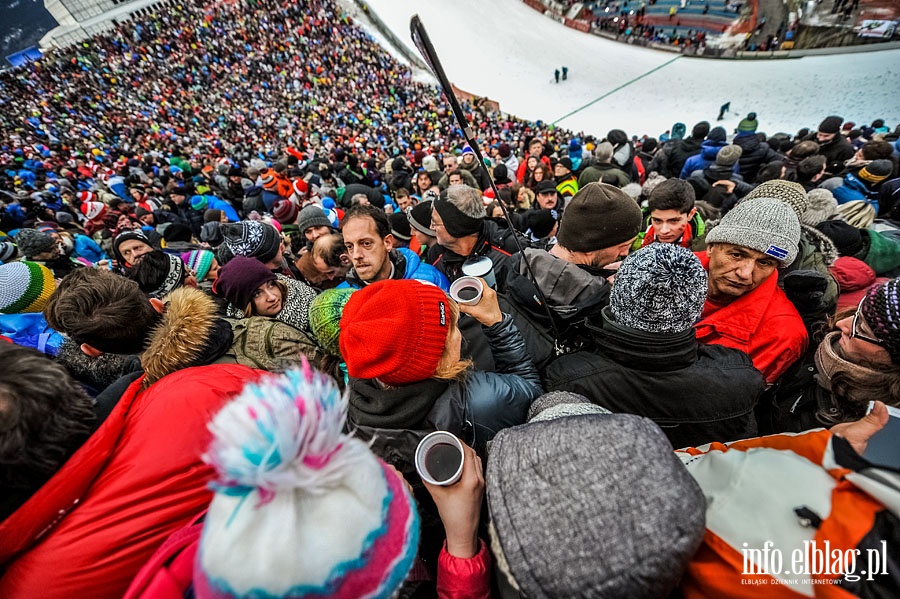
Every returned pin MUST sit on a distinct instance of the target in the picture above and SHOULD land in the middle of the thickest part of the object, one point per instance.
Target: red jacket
(137, 479)
(762, 323)
(459, 578)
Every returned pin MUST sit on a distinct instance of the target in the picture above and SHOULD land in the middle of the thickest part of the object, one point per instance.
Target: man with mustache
(745, 309)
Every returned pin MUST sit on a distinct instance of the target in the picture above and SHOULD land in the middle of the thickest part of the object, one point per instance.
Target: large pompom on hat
(300, 509)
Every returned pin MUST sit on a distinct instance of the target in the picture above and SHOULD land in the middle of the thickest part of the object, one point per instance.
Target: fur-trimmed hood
(191, 333)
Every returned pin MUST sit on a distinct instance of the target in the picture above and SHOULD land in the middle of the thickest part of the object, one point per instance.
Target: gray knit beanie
(821, 207)
(559, 404)
(592, 506)
(312, 216)
(728, 155)
(766, 225)
(791, 193)
(659, 289)
(32, 242)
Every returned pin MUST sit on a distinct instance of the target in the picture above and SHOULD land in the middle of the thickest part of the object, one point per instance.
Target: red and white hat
(86, 196)
(93, 210)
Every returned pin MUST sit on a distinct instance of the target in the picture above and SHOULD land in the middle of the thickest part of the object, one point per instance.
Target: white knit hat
(301, 509)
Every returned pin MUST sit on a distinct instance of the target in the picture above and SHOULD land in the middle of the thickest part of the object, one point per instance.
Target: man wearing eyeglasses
(745, 309)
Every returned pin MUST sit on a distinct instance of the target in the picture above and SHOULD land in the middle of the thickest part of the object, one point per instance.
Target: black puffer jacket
(755, 154)
(695, 393)
(680, 152)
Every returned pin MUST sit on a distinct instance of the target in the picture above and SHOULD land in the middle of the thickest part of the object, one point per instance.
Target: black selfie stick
(423, 43)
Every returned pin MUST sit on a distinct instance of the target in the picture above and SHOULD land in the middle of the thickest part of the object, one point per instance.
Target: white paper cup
(440, 458)
(467, 290)
(481, 266)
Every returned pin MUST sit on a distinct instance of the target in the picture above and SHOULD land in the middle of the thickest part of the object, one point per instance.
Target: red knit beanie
(395, 331)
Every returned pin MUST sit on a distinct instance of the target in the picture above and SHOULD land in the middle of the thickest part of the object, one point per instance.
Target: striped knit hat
(200, 261)
(93, 210)
(881, 309)
(301, 509)
(8, 251)
(325, 318)
(25, 287)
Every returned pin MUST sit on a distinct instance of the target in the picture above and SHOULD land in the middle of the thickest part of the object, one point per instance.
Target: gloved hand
(806, 290)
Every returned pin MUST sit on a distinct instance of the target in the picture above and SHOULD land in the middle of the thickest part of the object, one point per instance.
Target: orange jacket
(754, 489)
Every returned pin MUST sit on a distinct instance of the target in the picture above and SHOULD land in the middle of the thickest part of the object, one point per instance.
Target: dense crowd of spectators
(235, 240)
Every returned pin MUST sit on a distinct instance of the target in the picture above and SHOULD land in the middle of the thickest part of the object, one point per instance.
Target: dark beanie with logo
(597, 217)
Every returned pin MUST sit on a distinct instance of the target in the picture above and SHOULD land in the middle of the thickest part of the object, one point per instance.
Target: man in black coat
(832, 145)
(647, 359)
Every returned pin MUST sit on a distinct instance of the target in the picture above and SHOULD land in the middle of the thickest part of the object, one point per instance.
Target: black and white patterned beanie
(659, 289)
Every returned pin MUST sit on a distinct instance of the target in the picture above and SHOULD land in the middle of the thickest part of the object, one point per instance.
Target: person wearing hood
(597, 229)
(683, 149)
(623, 152)
(858, 361)
(576, 154)
(139, 476)
(708, 151)
(506, 157)
(647, 360)
(755, 151)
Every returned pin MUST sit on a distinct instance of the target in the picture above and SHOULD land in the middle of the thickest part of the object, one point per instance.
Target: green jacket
(269, 344)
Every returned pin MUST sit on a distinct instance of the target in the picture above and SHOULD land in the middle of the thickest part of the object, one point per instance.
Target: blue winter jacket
(698, 162)
(854, 189)
(88, 249)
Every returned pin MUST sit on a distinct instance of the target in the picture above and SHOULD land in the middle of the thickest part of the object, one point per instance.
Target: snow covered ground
(507, 51)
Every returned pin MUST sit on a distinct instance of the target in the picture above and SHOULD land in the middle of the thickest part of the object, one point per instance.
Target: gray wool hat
(558, 404)
(32, 242)
(821, 207)
(766, 225)
(791, 193)
(728, 155)
(659, 289)
(592, 506)
(312, 216)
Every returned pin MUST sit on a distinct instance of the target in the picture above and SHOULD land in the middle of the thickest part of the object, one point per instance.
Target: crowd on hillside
(232, 243)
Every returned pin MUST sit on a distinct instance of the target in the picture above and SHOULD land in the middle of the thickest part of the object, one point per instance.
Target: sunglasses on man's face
(854, 329)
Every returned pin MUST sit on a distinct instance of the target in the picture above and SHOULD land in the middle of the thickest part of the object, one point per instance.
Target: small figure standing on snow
(723, 109)
(556, 75)
(565, 71)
